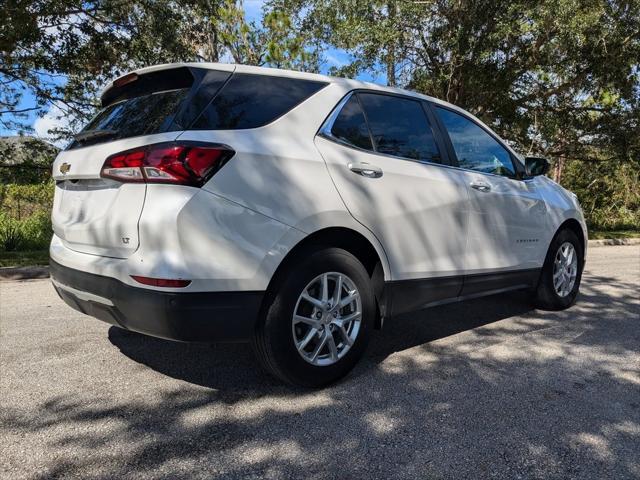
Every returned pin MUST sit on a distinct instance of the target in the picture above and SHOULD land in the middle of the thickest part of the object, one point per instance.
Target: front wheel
(561, 274)
(317, 321)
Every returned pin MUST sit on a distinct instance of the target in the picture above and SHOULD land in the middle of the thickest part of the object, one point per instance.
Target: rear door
(100, 216)
(388, 167)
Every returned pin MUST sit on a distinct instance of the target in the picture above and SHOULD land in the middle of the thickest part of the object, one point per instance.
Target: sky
(253, 12)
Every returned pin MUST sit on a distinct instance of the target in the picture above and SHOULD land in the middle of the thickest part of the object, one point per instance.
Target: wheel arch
(575, 226)
(353, 242)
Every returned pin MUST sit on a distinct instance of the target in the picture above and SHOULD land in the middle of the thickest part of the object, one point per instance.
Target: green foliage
(36, 231)
(284, 46)
(31, 233)
(25, 160)
(557, 78)
(608, 192)
(11, 237)
(24, 258)
(25, 216)
(21, 201)
(274, 42)
(64, 51)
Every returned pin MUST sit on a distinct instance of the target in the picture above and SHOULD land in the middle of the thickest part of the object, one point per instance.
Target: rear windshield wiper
(88, 134)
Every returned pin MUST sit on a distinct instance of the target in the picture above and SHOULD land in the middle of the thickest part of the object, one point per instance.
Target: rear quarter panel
(278, 172)
(276, 169)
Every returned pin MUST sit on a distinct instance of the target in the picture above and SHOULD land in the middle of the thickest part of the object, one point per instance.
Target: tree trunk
(391, 70)
(557, 171)
(390, 57)
(215, 54)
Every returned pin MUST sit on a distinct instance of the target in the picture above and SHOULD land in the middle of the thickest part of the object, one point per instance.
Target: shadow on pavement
(540, 395)
(234, 367)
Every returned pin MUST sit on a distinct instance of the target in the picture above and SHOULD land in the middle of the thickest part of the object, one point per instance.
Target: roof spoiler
(156, 79)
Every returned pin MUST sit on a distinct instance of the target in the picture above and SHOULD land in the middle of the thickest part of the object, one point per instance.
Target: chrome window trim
(423, 162)
(327, 126)
(325, 132)
(527, 179)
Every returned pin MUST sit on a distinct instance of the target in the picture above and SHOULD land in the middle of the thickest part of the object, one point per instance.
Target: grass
(24, 259)
(599, 234)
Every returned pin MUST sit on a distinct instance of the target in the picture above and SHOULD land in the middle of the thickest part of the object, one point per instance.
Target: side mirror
(535, 166)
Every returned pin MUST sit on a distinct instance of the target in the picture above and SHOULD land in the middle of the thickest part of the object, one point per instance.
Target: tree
(25, 160)
(274, 43)
(373, 32)
(558, 77)
(59, 53)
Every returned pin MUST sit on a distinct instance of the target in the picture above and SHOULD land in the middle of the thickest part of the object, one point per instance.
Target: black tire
(546, 297)
(273, 340)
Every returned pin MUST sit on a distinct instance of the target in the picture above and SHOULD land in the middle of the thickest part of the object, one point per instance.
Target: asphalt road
(484, 389)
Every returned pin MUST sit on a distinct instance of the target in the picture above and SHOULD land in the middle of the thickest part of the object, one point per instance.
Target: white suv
(211, 202)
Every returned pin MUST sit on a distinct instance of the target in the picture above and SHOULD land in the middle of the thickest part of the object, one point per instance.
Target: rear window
(137, 116)
(144, 105)
(133, 85)
(212, 81)
(250, 101)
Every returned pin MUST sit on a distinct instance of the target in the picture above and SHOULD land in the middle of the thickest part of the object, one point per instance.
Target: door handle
(365, 169)
(481, 186)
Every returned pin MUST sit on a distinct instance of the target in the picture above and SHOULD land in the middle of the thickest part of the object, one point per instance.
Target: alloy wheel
(327, 318)
(565, 269)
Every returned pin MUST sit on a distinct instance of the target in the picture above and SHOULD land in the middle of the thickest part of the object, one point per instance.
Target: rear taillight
(177, 163)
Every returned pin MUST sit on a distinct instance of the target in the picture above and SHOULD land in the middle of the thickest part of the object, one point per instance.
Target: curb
(24, 273)
(605, 242)
(35, 272)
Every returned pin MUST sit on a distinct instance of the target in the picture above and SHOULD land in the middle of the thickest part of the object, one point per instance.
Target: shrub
(609, 193)
(36, 231)
(21, 201)
(10, 233)
(25, 216)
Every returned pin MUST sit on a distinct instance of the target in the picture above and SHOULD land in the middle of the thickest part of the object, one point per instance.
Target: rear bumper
(188, 317)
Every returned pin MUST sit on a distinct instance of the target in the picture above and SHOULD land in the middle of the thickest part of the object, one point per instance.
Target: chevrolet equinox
(210, 202)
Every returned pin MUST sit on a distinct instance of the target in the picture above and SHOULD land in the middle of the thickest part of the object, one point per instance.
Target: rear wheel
(561, 274)
(317, 321)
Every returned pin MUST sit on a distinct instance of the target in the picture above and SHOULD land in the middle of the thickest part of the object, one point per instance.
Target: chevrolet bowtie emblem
(64, 168)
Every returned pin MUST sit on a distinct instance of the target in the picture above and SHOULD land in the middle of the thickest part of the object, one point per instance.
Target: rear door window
(250, 101)
(350, 125)
(399, 127)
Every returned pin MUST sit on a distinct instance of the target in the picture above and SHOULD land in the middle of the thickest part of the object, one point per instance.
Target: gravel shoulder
(484, 389)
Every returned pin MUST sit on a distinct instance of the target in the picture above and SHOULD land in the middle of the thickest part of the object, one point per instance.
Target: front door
(507, 230)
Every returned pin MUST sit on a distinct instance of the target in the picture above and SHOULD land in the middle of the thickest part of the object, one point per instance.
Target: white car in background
(211, 202)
